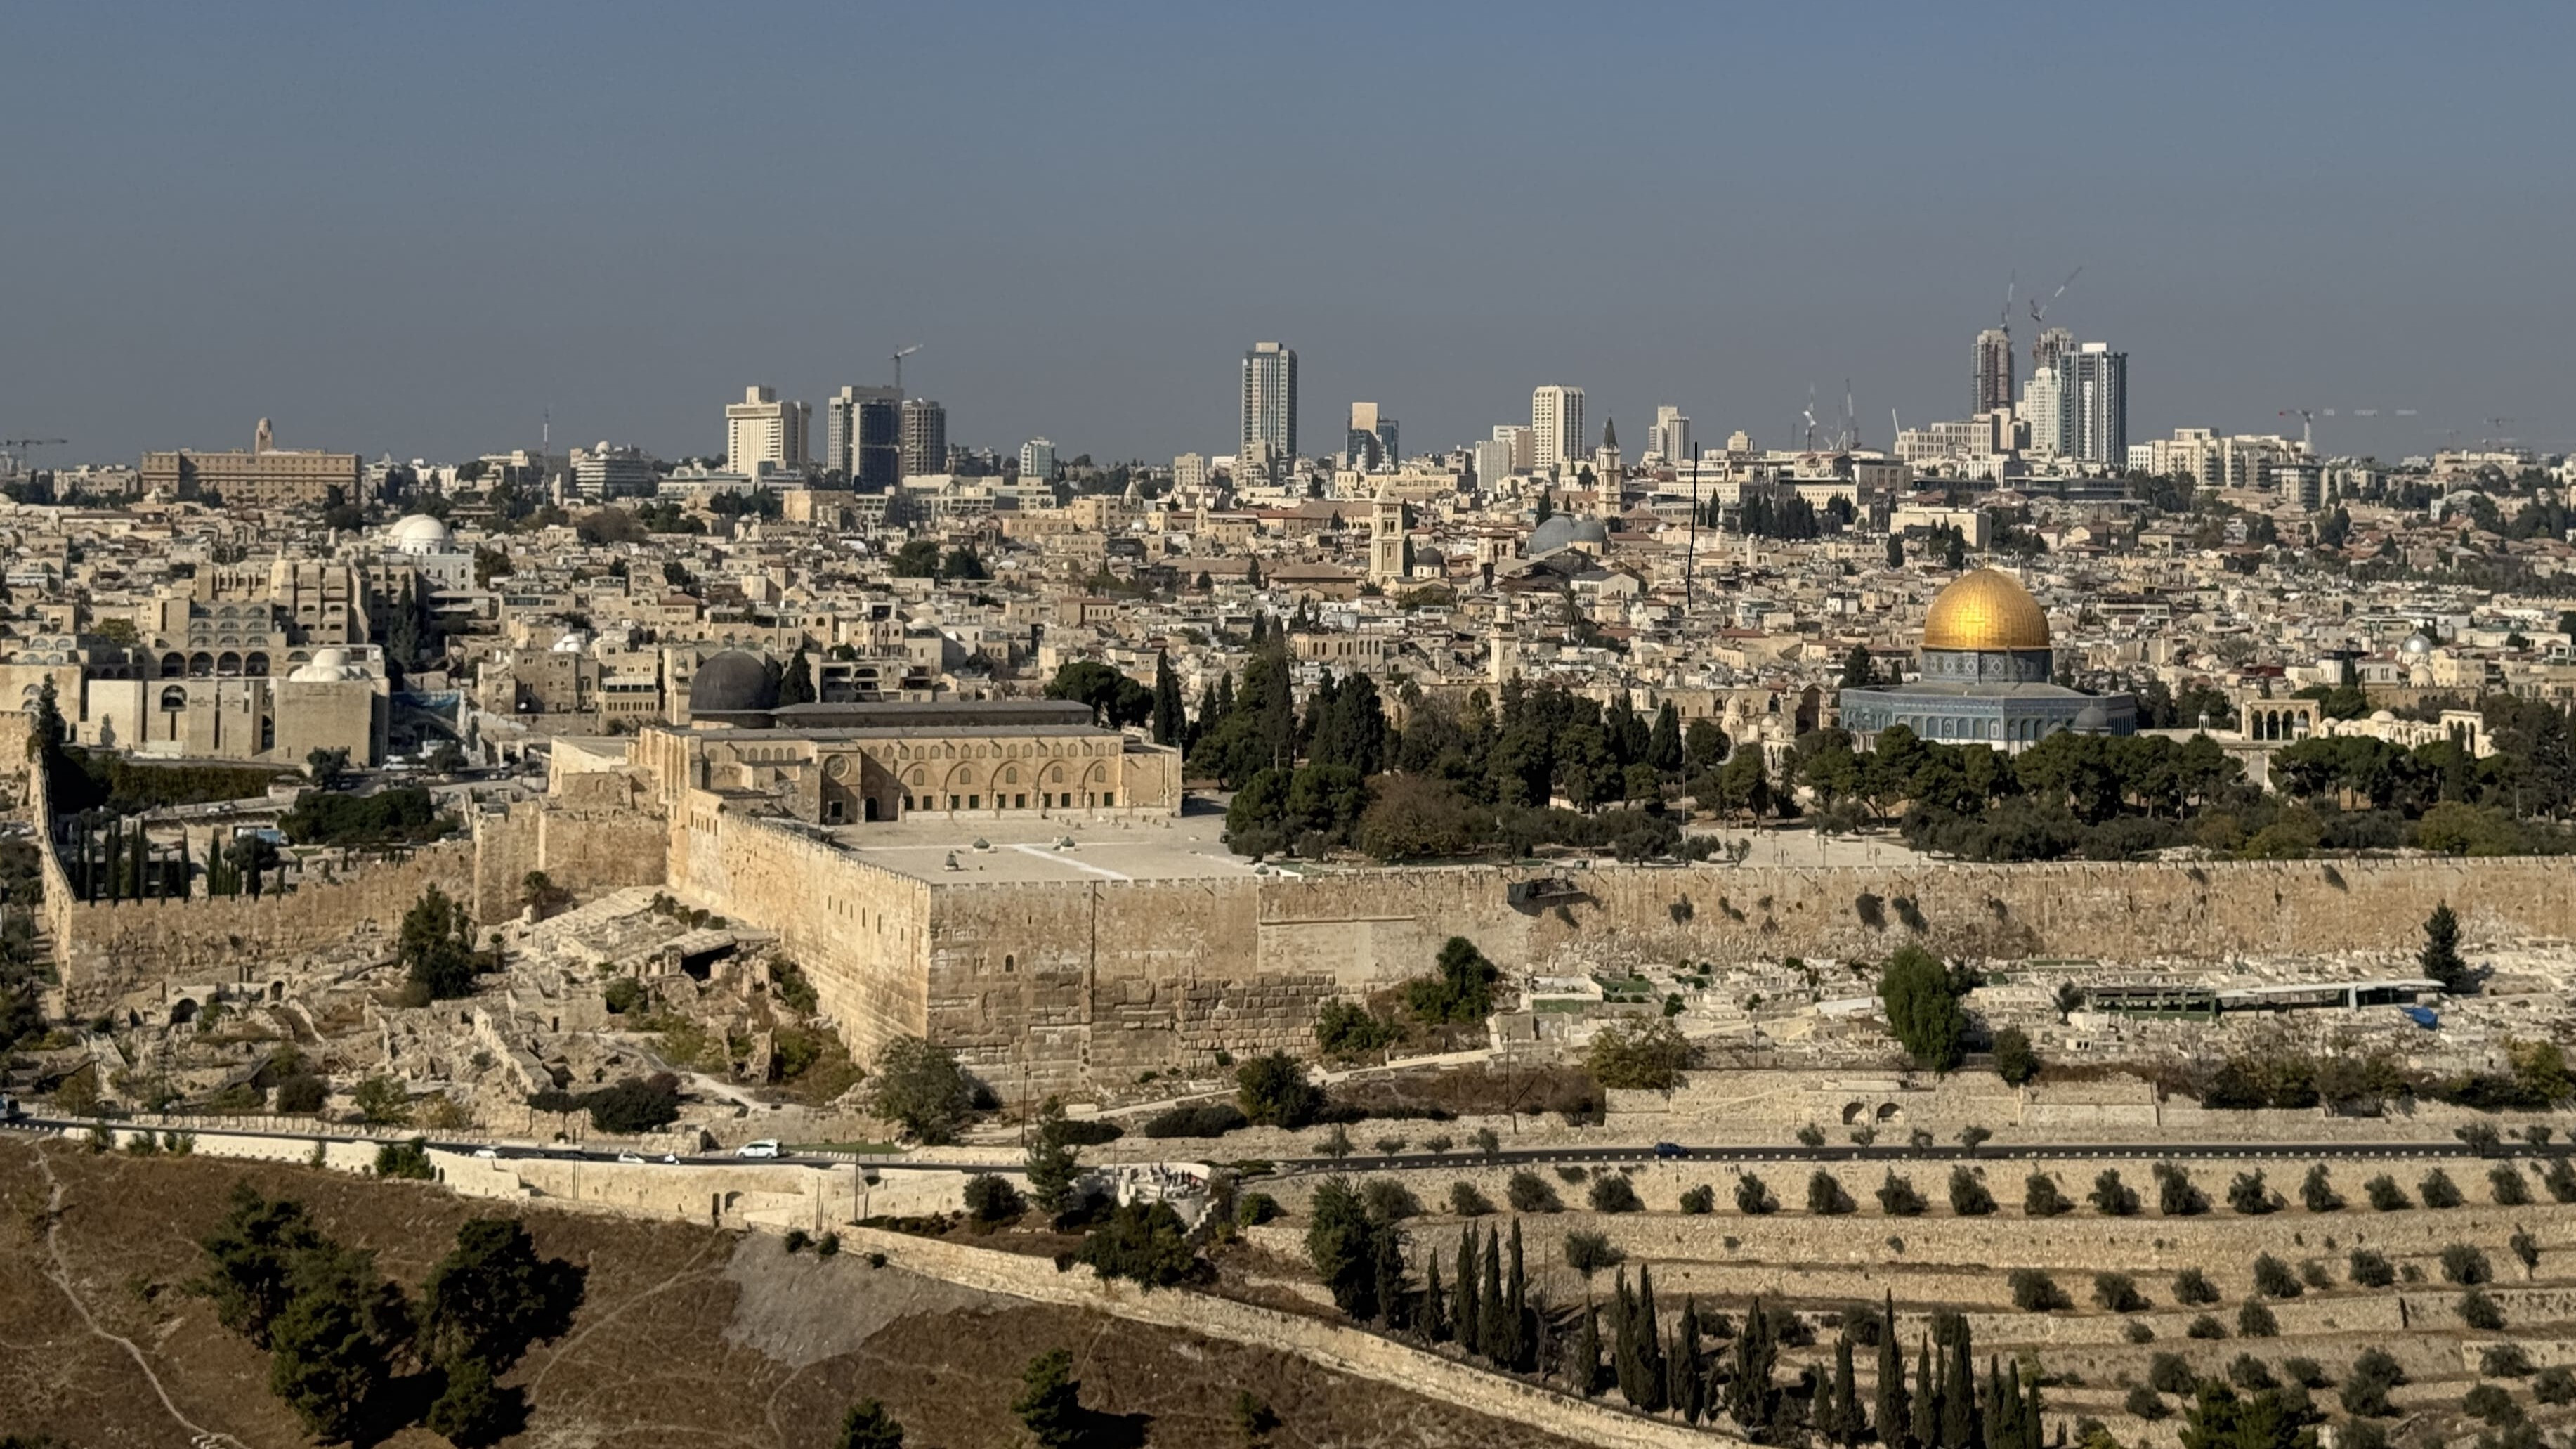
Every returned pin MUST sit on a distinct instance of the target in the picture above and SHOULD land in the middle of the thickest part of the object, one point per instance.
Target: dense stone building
(1985, 666)
(860, 763)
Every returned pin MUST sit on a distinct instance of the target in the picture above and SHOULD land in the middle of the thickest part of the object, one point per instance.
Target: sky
(416, 230)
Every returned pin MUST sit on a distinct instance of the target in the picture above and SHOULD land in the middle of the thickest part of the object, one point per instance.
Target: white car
(628, 1157)
(486, 1153)
(765, 1147)
(670, 1157)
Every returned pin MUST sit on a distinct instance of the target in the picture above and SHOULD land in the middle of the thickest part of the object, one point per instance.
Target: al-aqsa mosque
(1986, 662)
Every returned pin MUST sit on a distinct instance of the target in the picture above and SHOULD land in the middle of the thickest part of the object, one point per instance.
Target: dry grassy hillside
(688, 1337)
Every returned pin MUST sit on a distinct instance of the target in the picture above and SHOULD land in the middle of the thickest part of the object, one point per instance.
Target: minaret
(1386, 538)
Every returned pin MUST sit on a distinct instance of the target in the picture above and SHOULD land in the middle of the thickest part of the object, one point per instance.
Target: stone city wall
(1341, 1349)
(588, 851)
(860, 932)
(1054, 986)
(112, 948)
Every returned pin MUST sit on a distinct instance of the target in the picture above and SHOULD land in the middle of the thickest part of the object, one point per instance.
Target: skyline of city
(2365, 229)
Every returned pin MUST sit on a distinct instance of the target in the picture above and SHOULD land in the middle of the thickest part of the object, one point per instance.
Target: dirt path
(61, 1273)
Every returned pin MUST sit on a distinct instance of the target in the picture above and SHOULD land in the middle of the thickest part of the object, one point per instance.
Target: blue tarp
(2422, 1016)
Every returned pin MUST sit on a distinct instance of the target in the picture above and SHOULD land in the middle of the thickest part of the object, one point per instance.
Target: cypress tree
(1516, 1316)
(142, 863)
(1623, 1339)
(1493, 1335)
(1850, 1421)
(1435, 1315)
(1958, 1389)
(1927, 1399)
(1168, 722)
(1470, 1320)
(1684, 1389)
(1895, 1415)
(1748, 1394)
(1650, 1345)
(2030, 1413)
(1587, 1354)
(1390, 1278)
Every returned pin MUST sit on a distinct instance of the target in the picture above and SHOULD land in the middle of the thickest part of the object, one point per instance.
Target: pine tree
(1895, 1415)
(2441, 956)
(1664, 750)
(1491, 1334)
(1650, 1345)
(1470, 1317)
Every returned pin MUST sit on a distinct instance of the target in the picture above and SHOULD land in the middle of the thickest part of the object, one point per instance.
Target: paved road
(1529, 1156)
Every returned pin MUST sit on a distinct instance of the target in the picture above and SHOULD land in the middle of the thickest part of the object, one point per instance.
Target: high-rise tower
(761, 429)
(1994, 370)
(2096, 383)
(925, 437)
(1556, 422)
(1270, 401)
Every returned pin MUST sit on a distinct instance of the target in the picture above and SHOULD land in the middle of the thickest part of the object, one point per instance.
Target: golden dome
(1987, 609)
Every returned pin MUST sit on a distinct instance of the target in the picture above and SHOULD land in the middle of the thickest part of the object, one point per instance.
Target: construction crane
(898, 366)
(2039, 310)
(12, 448)
(2307, 426)
(2495, 432)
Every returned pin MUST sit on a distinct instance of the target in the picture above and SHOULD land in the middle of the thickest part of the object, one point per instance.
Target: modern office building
(1994, 370)
(1189, 472)
(1523, 441)
(1369, 445)
(611, 472)
(1037, 460)
(1270, 400)
(1556, 424)
(925, 438)
(2095, 383)
(265, 477)
(761, 429)
(862, 436)
(2043, 409)
(1672, 436)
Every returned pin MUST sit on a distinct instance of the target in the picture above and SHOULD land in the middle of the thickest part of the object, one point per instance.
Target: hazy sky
(411, 229)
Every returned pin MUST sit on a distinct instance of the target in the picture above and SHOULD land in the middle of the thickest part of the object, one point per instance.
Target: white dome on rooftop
(420, 533)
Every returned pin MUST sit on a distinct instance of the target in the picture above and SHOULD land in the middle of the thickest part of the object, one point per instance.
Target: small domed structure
(733, 682)
(325, 667)
(2418, 643)
(419, 533)
(1565, 530)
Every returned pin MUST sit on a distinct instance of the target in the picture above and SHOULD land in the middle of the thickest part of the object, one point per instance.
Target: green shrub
(1898, 1199)
(2118, 1292)
(2370, 1268)
(2035, 1292)
(2384, 1194)
(1826, 1197)
(2170, 1373)
(2040, 1197)
(2205, 1326)
(2316, 1191)
(2555, 1385)
(1968, 1195)
(2145, 1403)
(2465, 1265)
(1699, 1201)
(1466, 1202)
(2273, 1278)
(2438, 1191)
(1210, 1119)
(1612, 1193)
(1529, 1193)
(2249, 1372)
(2254, 1320)
(405, 1159)
(2504, 1361)
(2481, 1312)
(1753, 1198)
(2192, 1288)
(2492, 1404)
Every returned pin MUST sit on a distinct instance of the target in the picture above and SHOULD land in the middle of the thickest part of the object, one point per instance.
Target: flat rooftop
(1023, 851)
